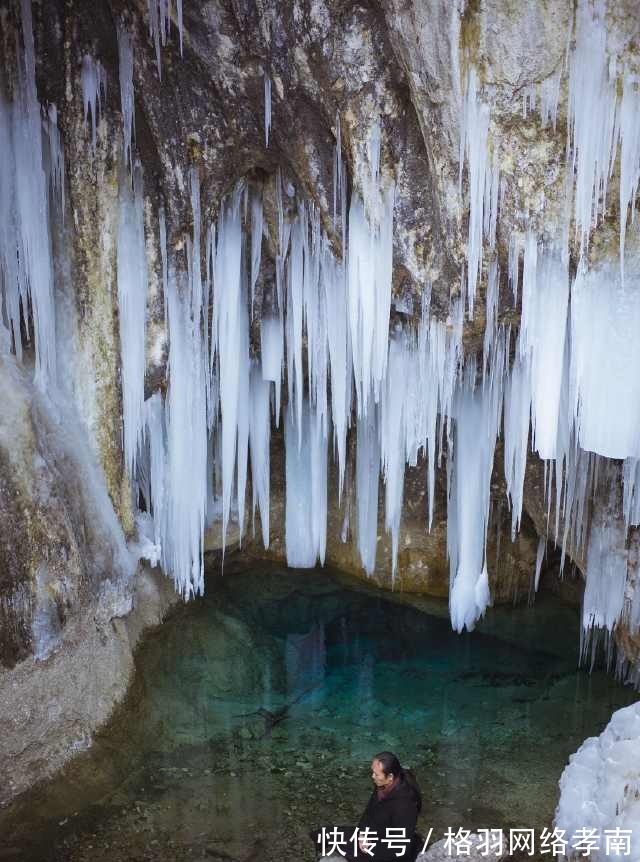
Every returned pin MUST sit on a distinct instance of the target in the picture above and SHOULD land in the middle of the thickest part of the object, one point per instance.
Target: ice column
(306, 489)
(132, 308)
(231, 349)
(592, 103)
(483, 181)
(367, 480)
(25, 246)
(370, 257)
(267, 108)
(476, 414)
(605, 356)
(259, 440)
(125, 55)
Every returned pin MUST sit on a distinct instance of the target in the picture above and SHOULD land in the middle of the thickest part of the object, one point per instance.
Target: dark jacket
(397, 810)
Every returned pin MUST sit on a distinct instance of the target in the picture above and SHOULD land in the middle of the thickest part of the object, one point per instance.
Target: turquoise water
(255, 712)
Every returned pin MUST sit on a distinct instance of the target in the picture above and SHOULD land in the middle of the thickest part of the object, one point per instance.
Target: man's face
(378, 776)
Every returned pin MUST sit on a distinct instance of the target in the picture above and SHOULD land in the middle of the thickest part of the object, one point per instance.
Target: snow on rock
(600, 787)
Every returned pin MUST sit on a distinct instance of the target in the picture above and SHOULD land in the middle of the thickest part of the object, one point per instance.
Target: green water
(255, 711)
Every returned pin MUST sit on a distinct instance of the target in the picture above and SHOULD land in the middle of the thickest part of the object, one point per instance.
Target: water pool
(255, 711)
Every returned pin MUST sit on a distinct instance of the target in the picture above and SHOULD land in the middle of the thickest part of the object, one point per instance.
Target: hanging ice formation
(26, 265)
(94, 90)
(267, 108)
(132, 306)
(321, 331)
(477, 415)
(369, 256)
(125, 57)
(483, 176)
(159, 12)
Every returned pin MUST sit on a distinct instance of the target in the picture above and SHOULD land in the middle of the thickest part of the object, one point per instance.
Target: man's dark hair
(391, 765)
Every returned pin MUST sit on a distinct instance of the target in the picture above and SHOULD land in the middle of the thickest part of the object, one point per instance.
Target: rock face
(316, 119)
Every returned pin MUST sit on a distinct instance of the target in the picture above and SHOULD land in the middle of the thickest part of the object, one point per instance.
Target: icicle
(606, 573)
(545, 296)
(295, 276)
(367, 480)
(187, 448)
(491, 188)
(271, 351)
(56, 158)
(628, 124)
(393, 425)
(163, 255)
(592, 101)
(180, 24)
(125, 55)
(94, 90)
(267, 108)
(154, 421)
(370, 254)
(517, 405)
(306, 489)
(25, 243)
(474, 141)
(132, 306)
(514, 264)
(631, 498)
(256, 243)
(493, 286)
(259, 438)
(549, 97)
(542, 547)
(231, 347)
(469, 496)
(605, 356)
(335, 297)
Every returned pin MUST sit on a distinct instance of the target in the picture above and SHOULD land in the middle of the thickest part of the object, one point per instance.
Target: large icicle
(592, 104)
(231, 348)
(187, 424)
(628, 124)
(397, 398)
(267, 108)
(335, 297)
(545, 296)
(159, 25)
(476, 414)
(367, 480)
(125, 56)
(271, 352)
(606, 573)
(517, 406)
(154, 484)
(25, 243)
(259, 439)
(187, 448)
(483, 179)
(306, 489)
(605, 356)
(132, 309)
(256, 243)
(370, 255)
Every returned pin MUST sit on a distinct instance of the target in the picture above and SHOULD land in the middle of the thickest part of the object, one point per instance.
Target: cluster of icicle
(573, 390)
(324, 331)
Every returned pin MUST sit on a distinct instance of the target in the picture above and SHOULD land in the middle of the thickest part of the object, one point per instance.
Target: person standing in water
(391, 813)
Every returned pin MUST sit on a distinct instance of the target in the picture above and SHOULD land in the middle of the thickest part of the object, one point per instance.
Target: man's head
(385, 768)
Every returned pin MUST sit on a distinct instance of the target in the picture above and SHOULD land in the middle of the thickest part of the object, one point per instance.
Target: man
(387, 827)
